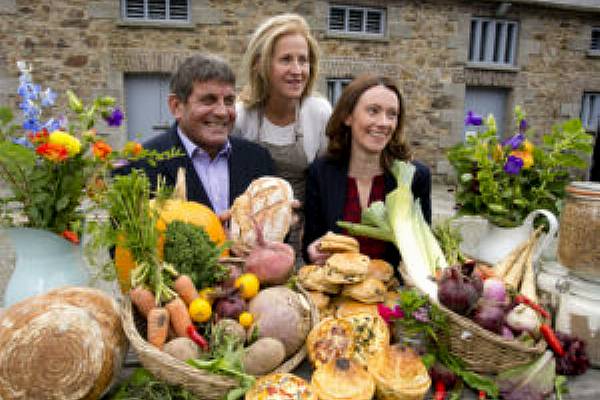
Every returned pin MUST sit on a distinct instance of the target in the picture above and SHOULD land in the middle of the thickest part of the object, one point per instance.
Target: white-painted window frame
(493, 41)
(147, 12)
(590, 110)
(365, 11)
(335, 87)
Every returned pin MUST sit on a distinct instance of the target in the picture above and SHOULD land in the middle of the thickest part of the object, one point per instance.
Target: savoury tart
(331, 338)
(370, 334)
(343, 379)
(281, 386)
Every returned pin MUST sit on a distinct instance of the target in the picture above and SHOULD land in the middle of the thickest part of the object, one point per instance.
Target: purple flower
(473, 119)
(514, 141)
(513, 165)
(114, 118)
(421, 314)
(523, 125)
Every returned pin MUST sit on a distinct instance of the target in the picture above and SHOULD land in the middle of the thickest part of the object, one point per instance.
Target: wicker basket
(201, 383)
(484, 351)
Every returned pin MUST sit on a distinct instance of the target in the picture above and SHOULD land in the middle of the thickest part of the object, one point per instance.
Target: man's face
(208, 115)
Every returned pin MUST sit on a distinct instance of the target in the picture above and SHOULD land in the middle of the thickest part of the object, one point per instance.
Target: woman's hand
(315, 255)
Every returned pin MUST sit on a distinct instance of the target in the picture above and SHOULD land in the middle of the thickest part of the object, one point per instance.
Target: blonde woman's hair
(256, 64)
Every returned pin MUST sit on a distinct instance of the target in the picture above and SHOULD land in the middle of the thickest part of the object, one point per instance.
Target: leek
(400, 221)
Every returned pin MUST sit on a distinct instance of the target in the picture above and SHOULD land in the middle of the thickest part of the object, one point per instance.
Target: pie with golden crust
(343, 379)
(331, 338)
(370, 334)
(281, 386)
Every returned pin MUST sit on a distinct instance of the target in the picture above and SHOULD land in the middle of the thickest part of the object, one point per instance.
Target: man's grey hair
(200, 68)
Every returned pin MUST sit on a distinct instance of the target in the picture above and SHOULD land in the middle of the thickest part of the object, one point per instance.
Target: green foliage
(189, 248)
(142, 385)
(486, 188)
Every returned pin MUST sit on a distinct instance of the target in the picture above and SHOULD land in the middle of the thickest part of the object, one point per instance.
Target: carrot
(143, 299)
(180, 318)
(158, 326)
(184, 286)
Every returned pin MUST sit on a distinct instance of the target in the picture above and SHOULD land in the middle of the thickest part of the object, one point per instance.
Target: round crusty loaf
(67, 343)
(268, 203)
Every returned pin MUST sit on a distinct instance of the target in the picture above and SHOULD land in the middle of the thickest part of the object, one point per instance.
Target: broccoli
(189, 248)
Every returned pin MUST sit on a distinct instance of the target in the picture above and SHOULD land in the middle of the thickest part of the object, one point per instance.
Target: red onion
(457, 292)
(494, 290)
(490, 316)
(507, 333)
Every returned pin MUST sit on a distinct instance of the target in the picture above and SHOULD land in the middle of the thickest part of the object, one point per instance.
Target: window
(595, 42)
(485, 100)
(493, 41)
(356, 20)
(335, 87)
(156, 10)
(590, 111)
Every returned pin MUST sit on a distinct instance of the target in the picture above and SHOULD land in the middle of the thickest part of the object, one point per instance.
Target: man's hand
(315, 255)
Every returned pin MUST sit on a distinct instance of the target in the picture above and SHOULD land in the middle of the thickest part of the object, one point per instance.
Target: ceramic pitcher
(489, 243)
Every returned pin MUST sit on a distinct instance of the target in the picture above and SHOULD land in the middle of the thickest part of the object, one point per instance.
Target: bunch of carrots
(151, 290)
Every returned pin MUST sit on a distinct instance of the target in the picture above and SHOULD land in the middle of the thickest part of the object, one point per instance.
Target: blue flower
(48, 97)
(523, 125)
(513, 165)
(514, 141)
(32, 124)
(473, 119)
(115, 118)
(53, 124)
(22, 141)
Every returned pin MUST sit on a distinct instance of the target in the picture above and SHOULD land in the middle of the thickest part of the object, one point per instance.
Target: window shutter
(374, 22)
(134, 9)
(595, 42)
(355, 20)
(337, 17)
(178, 10)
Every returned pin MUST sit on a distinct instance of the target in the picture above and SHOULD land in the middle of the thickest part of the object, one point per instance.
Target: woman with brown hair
(365, 135)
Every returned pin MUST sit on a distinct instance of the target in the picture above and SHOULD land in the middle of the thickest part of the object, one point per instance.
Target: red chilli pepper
(197, 338)
(440, 390)
(482, 395)
(552, 340)
(520, 299)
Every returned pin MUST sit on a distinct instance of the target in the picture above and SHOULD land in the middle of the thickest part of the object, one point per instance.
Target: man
(218, 167)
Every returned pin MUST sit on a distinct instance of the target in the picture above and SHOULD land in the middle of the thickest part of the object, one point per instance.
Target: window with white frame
(590, 111)
(493, 41)
(595, 40)
(156, 10)
(335, 87)
(356, 20)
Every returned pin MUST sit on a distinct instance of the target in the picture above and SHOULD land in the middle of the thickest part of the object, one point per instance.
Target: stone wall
(83, 44)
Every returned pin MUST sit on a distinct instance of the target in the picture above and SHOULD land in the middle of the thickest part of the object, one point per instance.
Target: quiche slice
(281, 386)
(330, 339)
(370, 335)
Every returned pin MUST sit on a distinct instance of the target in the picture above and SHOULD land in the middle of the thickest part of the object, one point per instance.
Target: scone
(331, 338)
(281, 386)
(320, 300)
(399, 373)
(267, 202)
(345, 306)
(337, 243)
(370, 334)
(380, 269)
(343, 379)
(312, 277)
(346, 268)
(371, 290)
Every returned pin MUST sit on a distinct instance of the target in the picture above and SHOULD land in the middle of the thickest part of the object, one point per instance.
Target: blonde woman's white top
(313, 116)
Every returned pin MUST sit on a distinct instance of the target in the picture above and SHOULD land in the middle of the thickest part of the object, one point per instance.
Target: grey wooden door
(486, 100)
(147, 108)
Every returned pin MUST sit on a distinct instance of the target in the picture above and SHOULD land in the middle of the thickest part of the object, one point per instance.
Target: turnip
(271, 262)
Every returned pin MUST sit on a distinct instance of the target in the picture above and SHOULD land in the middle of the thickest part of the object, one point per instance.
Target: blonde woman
(277, 108)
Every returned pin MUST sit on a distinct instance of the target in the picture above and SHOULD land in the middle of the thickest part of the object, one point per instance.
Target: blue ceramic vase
(43, 261)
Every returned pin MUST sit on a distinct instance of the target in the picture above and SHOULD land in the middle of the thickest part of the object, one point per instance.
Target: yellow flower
(490, 122)
(71, 143)
(526, 156)
(528, 146)
(497, 153)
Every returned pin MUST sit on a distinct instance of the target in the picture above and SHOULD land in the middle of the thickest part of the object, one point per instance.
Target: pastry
(371, 290)
(331, 338)
(346, 268)
(266, 202)
(312, 277)
(370, 334)
(320, 300)
(343, 379)
(337, 243)
(380, 269)
(281, 386)
(345, 306)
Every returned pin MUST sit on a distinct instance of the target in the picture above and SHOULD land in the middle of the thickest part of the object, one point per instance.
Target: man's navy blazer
(247, 162)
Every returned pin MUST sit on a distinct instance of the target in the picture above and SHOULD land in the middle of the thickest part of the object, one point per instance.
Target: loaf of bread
(67, 344)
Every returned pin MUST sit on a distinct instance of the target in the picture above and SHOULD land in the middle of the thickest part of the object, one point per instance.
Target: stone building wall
(84, 45)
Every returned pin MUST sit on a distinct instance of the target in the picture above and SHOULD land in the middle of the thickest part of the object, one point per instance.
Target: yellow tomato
(246, 319)
(200, 310)
(206, 294)
(248, 284)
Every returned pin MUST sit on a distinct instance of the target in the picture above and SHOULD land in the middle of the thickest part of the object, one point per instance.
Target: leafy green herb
(142, 385)
(560, 386)
(189, 248)
(449, 239)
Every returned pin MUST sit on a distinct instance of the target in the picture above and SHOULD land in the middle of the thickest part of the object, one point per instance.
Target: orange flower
(71, 236)
(526, 156)
(101, 149)
(528, 146)
(38, 137)
(133, 148)
(53, 152)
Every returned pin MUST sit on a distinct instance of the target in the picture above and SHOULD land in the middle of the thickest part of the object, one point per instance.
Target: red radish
(271, 262)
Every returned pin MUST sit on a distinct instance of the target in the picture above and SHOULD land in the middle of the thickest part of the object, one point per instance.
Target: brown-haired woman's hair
(256, 63)
(340, 135)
